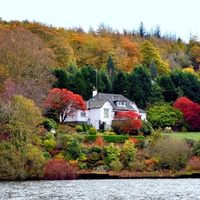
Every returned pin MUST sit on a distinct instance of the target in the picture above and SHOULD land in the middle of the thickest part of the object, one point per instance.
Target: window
(83, 114)
(106, 113)
(121, 103)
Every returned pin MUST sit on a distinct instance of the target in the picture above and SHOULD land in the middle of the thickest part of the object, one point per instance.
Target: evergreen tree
(157, 32)
(90, 75)
(140, 85)
(62, 78)
(110, 67)
(187, 83)
(71, 67)
(105, 84)
(120, 83)
(79, 85)
(141, 30)
(169, 92)
(156, 95)
(153, 70)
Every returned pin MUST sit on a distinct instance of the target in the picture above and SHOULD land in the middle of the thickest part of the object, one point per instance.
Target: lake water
(110, 189)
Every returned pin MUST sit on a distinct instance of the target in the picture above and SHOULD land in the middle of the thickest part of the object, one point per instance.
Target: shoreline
(111, 175)
(95, 175)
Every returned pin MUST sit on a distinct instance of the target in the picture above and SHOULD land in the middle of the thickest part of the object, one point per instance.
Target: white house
(102, 107)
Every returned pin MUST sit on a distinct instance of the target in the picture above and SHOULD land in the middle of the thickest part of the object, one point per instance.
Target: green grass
(185, 135)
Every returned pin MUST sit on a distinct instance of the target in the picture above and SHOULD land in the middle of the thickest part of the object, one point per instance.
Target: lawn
(185, 135)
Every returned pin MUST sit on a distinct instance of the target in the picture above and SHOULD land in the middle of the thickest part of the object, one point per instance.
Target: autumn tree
(27, 61)
(149, 53)
(127, 122)
(131, 55)
(21, 151)
(55, 41)
(64, 103)
(190, 110)
(22, 119)
(194, 52)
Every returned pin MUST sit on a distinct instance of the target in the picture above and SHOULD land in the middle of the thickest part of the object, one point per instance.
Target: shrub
(82, 166)
(71, 124)
(49, 124)
(115, 138)
(111, 153)
(137, 165)
(90, 138)
(48, 136)
(74, 149)
(128, 152)
(99, 141)
(116, 165)
(79, 137)
(47, 155)
(92, 131)
(146, 128)
(50, 144)
(193, 164)
(172, 153)
(59, 169)
(196, 148)
(79, 128)
(84, 127)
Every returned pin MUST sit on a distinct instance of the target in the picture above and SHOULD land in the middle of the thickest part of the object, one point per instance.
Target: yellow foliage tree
(150, 53)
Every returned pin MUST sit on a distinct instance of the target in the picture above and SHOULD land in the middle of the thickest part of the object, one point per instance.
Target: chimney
(94, 92)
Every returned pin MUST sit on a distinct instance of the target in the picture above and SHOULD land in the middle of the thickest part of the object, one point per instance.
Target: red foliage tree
(127, 121)
(59, 169)
(64, 102)
(190, 110)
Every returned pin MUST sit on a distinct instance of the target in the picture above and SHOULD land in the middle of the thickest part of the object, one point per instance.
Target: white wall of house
(78, 116)
(98, 114)
(143, 116)
(94, 115)
(106, 114)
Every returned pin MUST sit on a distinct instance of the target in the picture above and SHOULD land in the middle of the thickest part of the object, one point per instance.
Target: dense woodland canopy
(149, 68)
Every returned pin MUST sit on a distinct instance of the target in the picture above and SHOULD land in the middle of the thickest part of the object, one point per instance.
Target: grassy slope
(186, 135)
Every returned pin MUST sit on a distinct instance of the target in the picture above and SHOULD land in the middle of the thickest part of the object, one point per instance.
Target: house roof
(100, 98)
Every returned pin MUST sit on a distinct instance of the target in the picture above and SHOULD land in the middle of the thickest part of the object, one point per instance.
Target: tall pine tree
(110, 67)
(140, 85)
(120, 83)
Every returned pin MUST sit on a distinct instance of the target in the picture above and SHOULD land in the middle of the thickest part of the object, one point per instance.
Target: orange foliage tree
(64, 103)
(127, 121)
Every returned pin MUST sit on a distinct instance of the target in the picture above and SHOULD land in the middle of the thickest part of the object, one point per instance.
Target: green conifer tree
(120, 83)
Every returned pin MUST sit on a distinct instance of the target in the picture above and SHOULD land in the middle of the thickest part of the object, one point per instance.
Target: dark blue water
(117, 189)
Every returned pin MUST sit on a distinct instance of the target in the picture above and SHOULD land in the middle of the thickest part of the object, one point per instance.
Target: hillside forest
(160, 73)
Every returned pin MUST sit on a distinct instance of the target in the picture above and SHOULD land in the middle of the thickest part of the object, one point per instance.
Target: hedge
(117, 139)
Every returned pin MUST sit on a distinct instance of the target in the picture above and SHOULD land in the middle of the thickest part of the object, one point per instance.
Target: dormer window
(115, 98)
(121, 103)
